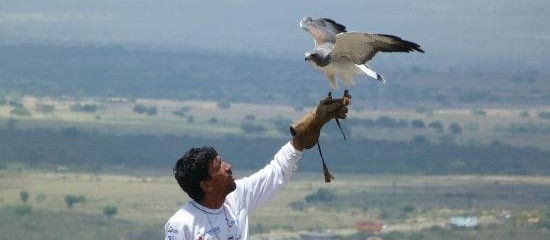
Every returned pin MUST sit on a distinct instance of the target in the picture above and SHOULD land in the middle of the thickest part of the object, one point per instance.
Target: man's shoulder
(181, 215)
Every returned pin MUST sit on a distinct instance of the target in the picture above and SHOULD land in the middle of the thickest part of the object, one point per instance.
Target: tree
(90, 108)
(322, 195)
(479, 112)
(455, 128)
(252, 128)
(183, 110)
(23, 209)
(297, 205)
(45, 108)
(71, 200)
(224, 105)
(524, 114)
(544, 221)
(418, 124)
(544, 115)
(110, 211)
(389, 122)
(24, 196)
(436, 125)
(420, 140)
(140, 109)
(213, 120)
(152, 111)
(407, 209)
(12, 123)
(20, 111)
(282, 124)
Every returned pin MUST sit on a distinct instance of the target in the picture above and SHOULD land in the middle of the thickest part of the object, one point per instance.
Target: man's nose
(227, 166)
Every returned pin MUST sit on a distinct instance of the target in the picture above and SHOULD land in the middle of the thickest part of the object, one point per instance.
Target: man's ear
(205, 185)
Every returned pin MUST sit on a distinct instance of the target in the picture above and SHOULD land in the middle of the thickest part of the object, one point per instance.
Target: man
(220, 205)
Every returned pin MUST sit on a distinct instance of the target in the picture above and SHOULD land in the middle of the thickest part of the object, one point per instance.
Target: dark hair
(192, 168)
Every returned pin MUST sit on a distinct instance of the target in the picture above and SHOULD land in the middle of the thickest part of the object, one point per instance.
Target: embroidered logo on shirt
(172, 230)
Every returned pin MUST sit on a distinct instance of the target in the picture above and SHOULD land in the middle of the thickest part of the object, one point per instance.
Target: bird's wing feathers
(361, 47)
(322, 30)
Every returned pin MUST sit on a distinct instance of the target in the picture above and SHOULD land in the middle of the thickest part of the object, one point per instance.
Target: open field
(432, 200)
(515, 126)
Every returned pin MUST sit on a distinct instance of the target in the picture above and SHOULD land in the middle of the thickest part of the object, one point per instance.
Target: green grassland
(404, 204)
(517, 126)
(408, 205)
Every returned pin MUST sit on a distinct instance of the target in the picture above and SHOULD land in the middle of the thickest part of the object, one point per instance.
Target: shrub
(20, 111)
(544, 115)
(110, 211)
(12, 123)
(407, 209)
(322, 195)
(297, 205)
(90, 108)
(436, 125)
(213, 120)
(479, 112)
(455, 128)
(24, 196)
(224, 105)
(40, 197)
(142, 109)
(427, 111)
(182, 111)
(389, 122)
(45, 108)
(420, 140)
(71, 200)
(15, 104)
(253, 128)
(282, 124)
(418, 124)
(23, 209)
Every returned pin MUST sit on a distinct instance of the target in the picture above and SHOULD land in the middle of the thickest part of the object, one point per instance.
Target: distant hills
(43, 70)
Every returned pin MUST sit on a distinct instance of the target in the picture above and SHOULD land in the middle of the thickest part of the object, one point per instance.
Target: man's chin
(233, 186)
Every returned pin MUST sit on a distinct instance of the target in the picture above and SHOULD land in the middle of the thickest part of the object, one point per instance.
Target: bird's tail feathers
(371, 73)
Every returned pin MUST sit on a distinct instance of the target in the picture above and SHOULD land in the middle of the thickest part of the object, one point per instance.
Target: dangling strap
(340, 127)
(328, 176)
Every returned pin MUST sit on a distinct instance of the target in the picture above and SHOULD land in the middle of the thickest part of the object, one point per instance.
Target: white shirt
(230, 222)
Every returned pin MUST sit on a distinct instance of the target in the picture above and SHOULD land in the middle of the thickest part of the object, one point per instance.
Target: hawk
(344, 55)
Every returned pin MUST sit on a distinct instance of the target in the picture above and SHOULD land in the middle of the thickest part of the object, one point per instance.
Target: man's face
(221, 176)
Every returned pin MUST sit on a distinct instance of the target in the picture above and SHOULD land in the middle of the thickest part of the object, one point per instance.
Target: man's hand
(307, 130)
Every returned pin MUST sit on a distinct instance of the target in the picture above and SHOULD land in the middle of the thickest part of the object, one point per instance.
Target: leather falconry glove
(307, 130)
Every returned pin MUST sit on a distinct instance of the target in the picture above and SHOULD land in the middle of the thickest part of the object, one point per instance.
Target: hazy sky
(453, 33)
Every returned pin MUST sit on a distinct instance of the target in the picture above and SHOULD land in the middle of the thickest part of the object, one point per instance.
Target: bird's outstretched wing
(322, 30)
(361, 47)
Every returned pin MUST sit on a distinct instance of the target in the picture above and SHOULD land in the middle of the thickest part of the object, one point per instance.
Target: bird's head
(307, 57)
(317, 59)
(305, 22)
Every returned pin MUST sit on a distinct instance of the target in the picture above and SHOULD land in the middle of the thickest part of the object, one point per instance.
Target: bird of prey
(344, 55)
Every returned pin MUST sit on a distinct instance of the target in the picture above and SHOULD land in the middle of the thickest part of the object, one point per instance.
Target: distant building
(369, 226)
(325, 235)
(62, 168)
(464, 222)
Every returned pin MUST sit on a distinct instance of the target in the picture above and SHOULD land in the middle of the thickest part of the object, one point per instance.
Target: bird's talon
(346, 99)
(329, 96)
